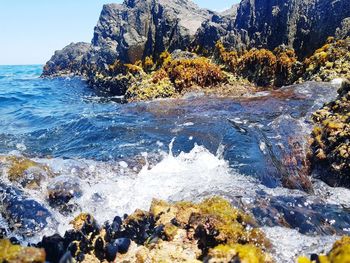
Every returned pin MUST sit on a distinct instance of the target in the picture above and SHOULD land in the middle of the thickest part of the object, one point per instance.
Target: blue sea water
(65, 118)
(246, 149)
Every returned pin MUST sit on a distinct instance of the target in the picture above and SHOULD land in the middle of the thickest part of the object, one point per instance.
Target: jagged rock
(140, 28)
(67, 61)
(303, 25)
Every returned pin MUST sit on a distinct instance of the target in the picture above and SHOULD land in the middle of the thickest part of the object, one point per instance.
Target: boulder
(139, 28)
(24, 215)
(66, 61)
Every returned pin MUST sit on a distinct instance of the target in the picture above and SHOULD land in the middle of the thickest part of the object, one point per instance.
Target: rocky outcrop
(67, 61)
(330, 140)
(140, 28)
(210, 231)
(302, 25)
(127, 33)
(139, 31)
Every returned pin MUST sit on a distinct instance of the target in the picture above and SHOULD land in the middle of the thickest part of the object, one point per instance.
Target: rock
(17, 253)
(54, 247)
(340, 253)
(140, 28)
(302, 25)
(330, 143)
(179, 232)
(23, 215)
(330, 62)
(25, 172)
(62, 190)
(67, 61)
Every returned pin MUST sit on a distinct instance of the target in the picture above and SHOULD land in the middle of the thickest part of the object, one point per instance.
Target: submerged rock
(16, 253)
(61, 191)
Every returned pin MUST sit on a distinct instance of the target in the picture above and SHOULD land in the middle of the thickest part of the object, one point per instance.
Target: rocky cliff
(139, 28)
(301, 24)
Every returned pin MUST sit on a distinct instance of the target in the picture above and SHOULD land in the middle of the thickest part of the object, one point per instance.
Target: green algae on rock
(18, 254)
(331, 139)
(340, 253)
(24, 171)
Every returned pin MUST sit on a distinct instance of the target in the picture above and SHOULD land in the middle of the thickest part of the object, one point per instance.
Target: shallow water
(250, 150)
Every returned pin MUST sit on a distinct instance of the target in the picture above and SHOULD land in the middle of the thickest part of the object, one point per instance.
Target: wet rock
(86, 224)
(330, 143)
(237, 253)
(180, 232)
(23, 215)
(54, 247)
(61, 191)
(25, 172)
(339, 253)
(17, 253)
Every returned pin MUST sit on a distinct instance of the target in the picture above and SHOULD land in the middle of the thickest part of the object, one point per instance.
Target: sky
(31, 30)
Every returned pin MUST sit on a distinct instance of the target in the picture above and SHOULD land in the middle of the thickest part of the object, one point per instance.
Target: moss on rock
(24, 171)
(18, 254)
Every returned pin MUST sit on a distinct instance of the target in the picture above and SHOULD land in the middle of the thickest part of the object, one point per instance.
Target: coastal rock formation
(331, 140)
(132, 31)
(302, 25)
(329, 62)
(67, 61)
(210, 231)
(138, 28)
(141, 30)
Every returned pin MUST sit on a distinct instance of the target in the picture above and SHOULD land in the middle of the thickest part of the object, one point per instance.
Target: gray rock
(301, 24)
(67, 61)
(140, 28)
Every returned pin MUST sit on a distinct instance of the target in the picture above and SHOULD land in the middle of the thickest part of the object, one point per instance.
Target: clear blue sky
(31, 30)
